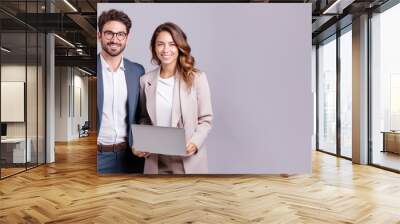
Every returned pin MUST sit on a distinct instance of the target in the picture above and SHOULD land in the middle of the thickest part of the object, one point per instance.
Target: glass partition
(22, 88)
(13, 109)
(327, 96)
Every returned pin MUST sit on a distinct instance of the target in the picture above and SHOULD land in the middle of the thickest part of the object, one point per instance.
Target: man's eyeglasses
(109, 35)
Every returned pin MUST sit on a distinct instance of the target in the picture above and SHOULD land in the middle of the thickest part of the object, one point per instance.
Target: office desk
(391, 141)
(13, 150)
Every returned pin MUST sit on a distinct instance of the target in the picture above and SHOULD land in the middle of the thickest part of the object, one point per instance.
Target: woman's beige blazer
(191, 109)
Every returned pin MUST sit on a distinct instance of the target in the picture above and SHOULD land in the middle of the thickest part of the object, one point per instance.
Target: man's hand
(191, 149)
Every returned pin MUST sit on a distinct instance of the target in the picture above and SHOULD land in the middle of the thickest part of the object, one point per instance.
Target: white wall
(15, 72)
(61, 103)
(69, 82)
(80, 84)
(34, 124)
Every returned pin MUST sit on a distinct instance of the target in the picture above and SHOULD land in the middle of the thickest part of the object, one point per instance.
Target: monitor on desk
(3, 130)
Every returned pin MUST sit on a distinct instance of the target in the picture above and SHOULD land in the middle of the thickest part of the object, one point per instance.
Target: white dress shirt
(113, 127)
(164, 97)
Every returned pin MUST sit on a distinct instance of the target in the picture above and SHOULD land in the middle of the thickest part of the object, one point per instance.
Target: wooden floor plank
(70, 191)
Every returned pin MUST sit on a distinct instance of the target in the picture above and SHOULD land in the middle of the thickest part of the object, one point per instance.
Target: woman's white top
(164, 98)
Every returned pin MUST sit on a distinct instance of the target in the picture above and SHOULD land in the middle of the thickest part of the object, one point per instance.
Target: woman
(176, 94)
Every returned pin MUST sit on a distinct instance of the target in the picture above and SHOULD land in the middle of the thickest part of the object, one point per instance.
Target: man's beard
(112, 53)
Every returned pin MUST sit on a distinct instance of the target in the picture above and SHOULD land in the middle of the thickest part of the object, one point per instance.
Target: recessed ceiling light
(5, 50)
(70, 5)
(337, 7)
(84, 71)
(64, 40)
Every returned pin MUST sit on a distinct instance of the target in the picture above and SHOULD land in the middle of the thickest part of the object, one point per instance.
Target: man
(117, 95)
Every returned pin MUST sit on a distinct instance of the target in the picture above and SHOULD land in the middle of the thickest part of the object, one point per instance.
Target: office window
(385, 88)
(327, 95)
(346, 93)
(314, 91)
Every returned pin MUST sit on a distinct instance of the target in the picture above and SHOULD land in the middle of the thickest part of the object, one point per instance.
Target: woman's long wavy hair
(185, 62)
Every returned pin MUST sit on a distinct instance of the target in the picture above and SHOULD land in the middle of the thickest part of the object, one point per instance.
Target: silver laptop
(160, 140)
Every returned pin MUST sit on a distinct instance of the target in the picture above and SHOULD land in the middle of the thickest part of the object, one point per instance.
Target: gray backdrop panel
(258, 60)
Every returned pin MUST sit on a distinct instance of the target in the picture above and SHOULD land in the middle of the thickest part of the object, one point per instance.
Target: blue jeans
(119, 162)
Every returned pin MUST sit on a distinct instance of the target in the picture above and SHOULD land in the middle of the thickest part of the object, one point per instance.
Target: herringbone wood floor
(70, 191)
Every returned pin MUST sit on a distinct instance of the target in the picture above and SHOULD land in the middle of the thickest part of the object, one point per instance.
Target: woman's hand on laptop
(140, 153)
(191, 149)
